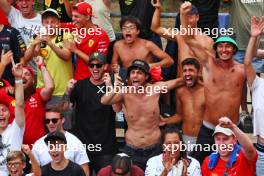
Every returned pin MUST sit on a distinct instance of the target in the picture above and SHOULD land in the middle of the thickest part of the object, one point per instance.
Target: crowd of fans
(65, 77)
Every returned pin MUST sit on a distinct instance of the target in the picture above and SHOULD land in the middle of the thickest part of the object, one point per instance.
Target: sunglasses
(54, 121)
(96, 65)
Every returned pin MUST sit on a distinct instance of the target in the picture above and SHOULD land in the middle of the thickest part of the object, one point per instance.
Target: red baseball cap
(30, 69)
(83, 8)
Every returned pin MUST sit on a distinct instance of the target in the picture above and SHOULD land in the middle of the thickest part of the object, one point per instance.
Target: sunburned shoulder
(119, 43)
(239, 66)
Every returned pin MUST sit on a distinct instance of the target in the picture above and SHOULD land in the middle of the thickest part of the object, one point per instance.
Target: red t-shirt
(35, 113)
(242, 167)
(94, 40)
(107, 171)
(3, 19)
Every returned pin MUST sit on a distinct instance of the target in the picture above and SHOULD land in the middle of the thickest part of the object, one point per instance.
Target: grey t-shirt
(241, 12)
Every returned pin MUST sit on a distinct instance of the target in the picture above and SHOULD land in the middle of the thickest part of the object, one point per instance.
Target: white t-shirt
(26, 27)
(75, 150)
(258, 105)
(101, 17)
(12, 139)
(155, 167)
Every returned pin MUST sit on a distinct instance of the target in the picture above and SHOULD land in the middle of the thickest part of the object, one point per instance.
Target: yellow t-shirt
(60, 70)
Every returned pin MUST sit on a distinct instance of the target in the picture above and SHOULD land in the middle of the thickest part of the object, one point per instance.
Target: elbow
(51, 88)
(170, 61)
(154, 29)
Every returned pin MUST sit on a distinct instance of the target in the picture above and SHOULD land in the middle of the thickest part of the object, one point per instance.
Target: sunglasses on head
(96, 65)
(54, 121)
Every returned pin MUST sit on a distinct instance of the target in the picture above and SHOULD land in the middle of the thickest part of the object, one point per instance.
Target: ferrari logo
(13, 103)
(90, 43)
(43, 52)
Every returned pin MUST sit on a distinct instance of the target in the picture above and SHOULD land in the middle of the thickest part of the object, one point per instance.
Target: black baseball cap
(194, 10)
(54, 136)
(140, 64)
(121, 164)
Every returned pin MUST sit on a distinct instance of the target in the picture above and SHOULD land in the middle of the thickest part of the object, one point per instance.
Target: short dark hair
(55, 108)
(130, 19)
(191, 61)
(173, 129)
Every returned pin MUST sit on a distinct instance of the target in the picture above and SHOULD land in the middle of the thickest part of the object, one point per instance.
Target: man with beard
(131, 47)
(141, 103)
(190, 102)
(223, 82)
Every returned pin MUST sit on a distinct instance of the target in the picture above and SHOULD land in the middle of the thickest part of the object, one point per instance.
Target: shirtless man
(132, 47)
(183, 49)
(223, 81)
(190, 102)
(141, 111)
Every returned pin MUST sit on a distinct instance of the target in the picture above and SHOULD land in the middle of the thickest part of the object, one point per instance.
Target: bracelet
(43, 64)
(18, 81)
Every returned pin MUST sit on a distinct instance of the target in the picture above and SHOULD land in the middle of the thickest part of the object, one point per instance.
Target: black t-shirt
(10, 39)
(208, 11)
(59, 6)
(72, 169)
(141, 9)
(94, 122)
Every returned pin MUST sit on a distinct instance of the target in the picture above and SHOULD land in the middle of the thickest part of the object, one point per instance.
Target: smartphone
(5, 48)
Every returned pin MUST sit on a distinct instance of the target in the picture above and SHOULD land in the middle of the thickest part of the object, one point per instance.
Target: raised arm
(68, 8)
(247, 146)
(47, 91)
(195, 45)
(32, 51)
(257, 28)
(35, 168)
(165, 59)
(5, 6)
(19, 94)
(4, 61)
(156, 27)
